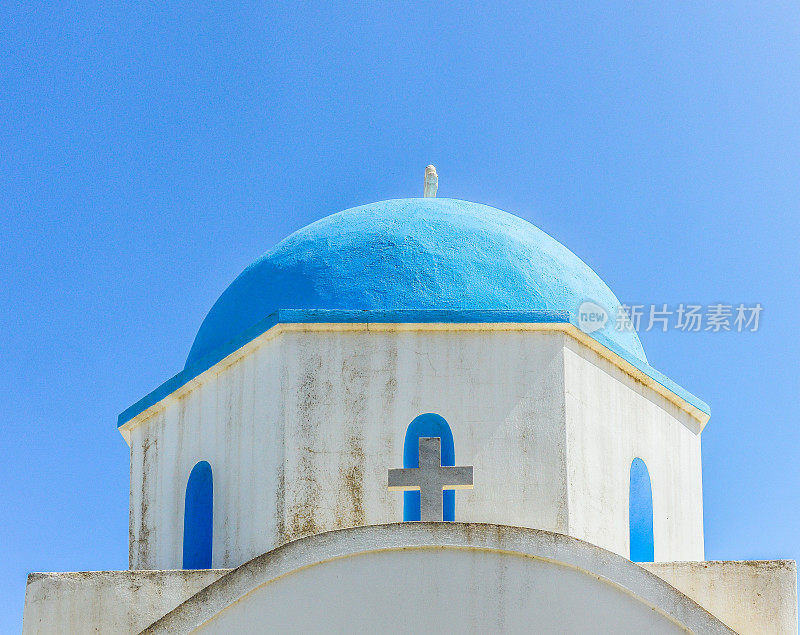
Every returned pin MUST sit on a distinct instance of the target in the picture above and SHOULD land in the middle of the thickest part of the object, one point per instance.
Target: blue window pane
(198, 518)
(428, 425)
(641, 513)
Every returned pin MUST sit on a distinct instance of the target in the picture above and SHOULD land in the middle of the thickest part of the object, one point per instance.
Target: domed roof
(412, 254)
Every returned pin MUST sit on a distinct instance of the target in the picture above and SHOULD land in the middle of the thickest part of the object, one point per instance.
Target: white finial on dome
(431, 182)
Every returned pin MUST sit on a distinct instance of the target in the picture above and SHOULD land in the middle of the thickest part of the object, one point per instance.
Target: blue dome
(412, 254)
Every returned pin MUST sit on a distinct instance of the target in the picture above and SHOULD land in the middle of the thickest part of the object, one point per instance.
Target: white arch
(383, 551)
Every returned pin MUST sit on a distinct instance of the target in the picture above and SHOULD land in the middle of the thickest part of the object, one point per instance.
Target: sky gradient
(150, 153)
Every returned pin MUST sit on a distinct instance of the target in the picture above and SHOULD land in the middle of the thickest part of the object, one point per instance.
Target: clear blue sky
(149, 153)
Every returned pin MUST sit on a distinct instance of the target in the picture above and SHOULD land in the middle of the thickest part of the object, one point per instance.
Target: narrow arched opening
(640, 513)
(198, 518)
(428, 425)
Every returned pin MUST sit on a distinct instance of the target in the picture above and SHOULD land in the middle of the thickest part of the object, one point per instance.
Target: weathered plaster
(284, 320)
(439, 577)
(757, 597)
(612, 419)
(301, 431)
(494, 576)
(109, 602)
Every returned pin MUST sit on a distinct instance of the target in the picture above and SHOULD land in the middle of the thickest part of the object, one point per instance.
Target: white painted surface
(232, 422)
(439, 577)
(436, 591)
(752, 597)
(611, 420)
(302, 429)
(467, 578)
(106, 601)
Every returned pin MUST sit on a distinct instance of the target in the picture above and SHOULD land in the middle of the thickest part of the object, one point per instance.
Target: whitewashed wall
(467, 576)
(440, 578)
(231, 421)
(107, 602)
(440, 591)
(755, 597)
(302, 429)
(611, 420)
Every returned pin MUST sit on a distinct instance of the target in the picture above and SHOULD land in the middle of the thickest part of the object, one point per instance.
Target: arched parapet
(472, 577)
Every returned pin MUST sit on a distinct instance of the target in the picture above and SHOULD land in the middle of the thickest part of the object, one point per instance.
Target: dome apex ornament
(431, 182)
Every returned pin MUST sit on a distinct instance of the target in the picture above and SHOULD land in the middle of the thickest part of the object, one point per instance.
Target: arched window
(428, 425)
(640, 513)
(198, 517)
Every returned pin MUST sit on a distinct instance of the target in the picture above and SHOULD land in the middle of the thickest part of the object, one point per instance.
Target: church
(394, 421)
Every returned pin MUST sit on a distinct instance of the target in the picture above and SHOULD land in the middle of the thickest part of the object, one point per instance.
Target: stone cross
(430, 478)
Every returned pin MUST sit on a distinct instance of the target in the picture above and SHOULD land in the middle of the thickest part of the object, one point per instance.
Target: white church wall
(756, 597)
(230, 419)
(350, 395)
(302, 425)
(439, 577)
(611, 420)
(110, 602)
(752, 597)
(439, 591)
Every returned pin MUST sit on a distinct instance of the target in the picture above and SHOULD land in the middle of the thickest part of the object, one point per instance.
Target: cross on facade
(430, 478)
